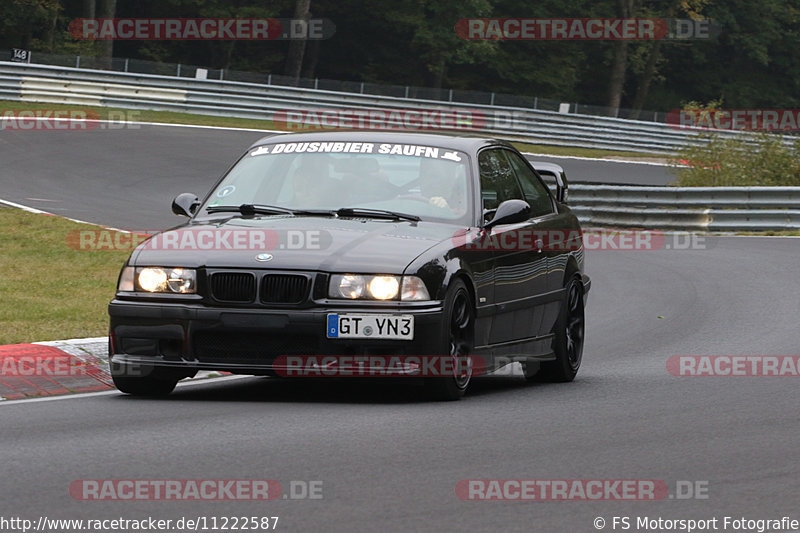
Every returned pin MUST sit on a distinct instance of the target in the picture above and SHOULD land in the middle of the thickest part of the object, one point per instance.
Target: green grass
(770, 233)
(582, 152)
(49, 290)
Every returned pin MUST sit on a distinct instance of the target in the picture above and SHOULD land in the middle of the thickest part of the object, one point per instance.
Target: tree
(297, 47)
(619, 62)
(672, 8)
(89, 8)
(23, 21)
(108, 9)
(433, 38)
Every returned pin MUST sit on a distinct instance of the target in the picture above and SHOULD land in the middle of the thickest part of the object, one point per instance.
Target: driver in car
(439, 183)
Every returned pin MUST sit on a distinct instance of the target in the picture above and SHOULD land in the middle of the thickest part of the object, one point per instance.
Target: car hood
(294, 243)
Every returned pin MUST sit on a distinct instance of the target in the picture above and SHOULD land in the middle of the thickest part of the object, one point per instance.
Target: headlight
(347, 286)
(377, 287)
(158, 279)
(383, 287)
(153, 279)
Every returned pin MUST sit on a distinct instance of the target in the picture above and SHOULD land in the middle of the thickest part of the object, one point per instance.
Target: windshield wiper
(262, 209)
(251, 209)
(375, 213)
(314, 212)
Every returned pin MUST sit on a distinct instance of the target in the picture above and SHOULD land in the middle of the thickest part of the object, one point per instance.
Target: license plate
(354, 326)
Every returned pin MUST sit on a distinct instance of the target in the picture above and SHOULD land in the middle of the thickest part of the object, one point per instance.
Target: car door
(558, 237)
(519, 268)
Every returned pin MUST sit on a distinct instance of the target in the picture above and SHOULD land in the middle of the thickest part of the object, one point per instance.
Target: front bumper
(194, 336)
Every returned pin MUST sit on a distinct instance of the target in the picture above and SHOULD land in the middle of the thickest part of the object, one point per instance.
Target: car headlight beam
(162, 280)
(153, 279)
(383, 287)
(377, 287)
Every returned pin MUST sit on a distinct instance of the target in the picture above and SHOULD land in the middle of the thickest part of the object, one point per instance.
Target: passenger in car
(312, 187)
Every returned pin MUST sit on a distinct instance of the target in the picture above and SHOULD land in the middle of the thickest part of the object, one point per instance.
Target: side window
(498, 183)
(532, 187)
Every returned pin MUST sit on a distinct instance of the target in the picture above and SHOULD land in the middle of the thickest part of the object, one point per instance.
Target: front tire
(456, 340)
(569, 333)
(138, 380)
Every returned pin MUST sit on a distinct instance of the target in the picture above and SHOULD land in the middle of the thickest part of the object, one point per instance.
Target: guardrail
(71, 86)
(688, 208)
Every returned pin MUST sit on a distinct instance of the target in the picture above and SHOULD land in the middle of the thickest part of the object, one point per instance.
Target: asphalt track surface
(126, 178)
(390, 461)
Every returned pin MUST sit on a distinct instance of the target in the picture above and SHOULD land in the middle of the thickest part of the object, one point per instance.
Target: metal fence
(68, 85)
(688, 208)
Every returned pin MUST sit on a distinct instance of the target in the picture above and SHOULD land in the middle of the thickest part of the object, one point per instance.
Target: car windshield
(424, 181)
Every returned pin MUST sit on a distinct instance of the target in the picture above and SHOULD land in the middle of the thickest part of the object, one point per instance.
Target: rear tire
(457, 340)
(569, 334)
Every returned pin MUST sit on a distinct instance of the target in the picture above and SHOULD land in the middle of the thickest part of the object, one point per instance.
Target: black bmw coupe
(359, 254)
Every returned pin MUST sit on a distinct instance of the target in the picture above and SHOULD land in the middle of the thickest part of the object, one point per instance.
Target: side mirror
(185, 204)
(510, 212)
